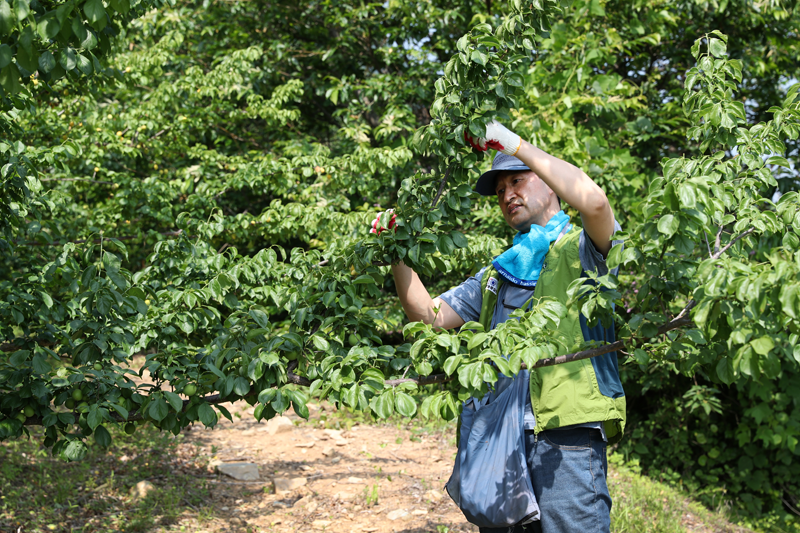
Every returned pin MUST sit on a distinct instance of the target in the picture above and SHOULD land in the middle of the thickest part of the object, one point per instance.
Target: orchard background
(194, 181)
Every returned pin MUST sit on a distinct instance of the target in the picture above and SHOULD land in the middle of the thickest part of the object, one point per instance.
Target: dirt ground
(371, 479)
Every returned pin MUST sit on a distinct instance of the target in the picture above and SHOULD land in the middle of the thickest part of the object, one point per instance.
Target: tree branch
(173, 233)
(78, 179)
(733, 241)
(441, 189)
(213, 399)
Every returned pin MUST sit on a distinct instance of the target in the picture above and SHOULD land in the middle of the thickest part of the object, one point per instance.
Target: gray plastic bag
(490, 482)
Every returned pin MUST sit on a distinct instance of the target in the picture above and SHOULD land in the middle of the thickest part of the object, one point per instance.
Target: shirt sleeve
(466, 299)
(591, 258)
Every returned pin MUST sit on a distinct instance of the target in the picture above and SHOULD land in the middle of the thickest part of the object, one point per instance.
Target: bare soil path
(367, 478)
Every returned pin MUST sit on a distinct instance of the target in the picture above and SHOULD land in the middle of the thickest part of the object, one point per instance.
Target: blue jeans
(568, 471)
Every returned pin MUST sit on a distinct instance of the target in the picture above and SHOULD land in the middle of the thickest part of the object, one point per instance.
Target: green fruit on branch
(28, 411)
(21, 417)
(98, 366)
(353, 339)
(69, 404)
(190, 389)
(292, 356)
(77, 395)
(83, 407)
(130, 428)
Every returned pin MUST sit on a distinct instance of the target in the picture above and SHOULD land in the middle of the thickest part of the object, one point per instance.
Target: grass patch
(41, 493)
(642, 505)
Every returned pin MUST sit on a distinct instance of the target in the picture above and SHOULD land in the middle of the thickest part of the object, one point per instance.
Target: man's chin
(520, 226)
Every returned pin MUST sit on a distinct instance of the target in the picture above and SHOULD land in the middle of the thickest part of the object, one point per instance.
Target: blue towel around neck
(522, 263)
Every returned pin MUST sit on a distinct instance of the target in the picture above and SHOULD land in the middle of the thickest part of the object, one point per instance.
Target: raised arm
(569, 182)
(576, 188)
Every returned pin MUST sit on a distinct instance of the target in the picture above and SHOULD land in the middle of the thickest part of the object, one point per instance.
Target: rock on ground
(142, 489)
(239, 471)
(283, 484)
(401, 514)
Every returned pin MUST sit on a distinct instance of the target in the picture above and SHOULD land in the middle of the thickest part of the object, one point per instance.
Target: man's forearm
(417, 302)
(567, 181)
(576, 188)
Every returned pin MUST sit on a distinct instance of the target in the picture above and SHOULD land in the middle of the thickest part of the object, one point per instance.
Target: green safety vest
(565, 394)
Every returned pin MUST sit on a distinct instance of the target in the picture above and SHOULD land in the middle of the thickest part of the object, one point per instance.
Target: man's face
(524, 199)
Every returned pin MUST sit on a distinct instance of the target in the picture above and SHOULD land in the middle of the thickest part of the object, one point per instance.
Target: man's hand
(498, 137)
(376, 224)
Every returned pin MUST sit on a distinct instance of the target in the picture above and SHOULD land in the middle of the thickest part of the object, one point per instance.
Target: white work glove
(498, 137)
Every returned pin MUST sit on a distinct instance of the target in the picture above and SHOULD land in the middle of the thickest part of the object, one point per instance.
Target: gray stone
(142, 489)
(433, 495)
(283, 484)
(279, 424)
(398, 514)
(239, 471)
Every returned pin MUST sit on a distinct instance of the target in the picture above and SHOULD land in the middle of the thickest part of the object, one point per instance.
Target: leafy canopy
(196, 205)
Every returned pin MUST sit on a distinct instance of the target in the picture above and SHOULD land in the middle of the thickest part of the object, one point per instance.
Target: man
(574, 409)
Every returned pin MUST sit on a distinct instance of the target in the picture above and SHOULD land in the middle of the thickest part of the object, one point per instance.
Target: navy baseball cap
(485, 185)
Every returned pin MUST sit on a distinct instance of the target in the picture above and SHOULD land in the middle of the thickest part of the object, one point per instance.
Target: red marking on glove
(377, 229)
(490, 143)
(495, 145)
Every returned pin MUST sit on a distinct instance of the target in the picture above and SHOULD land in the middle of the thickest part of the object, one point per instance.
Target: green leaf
(614, 256)
(241, 386)
(94, 418)
(40, 364)
(762, 345)
(7, 18)
(595, 8)
(668, 225)
(479, 57)
(207, 415)
(451, 364)
(476, 340)
(405, 404)
(6, 54)
(9, 79)
(95, 12)
(174, 401)
(459, 239)
(695, 50)
(725, 371)
(102, 437)
(515, 79)
(22, 8)
(123, 6)
(48, 27)
(320, 343)
(778, 160)
(446, 245)
(717, 47)
(383, 404)
(68, 59)
(687, 195)
(158, 409)
(74, 451)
